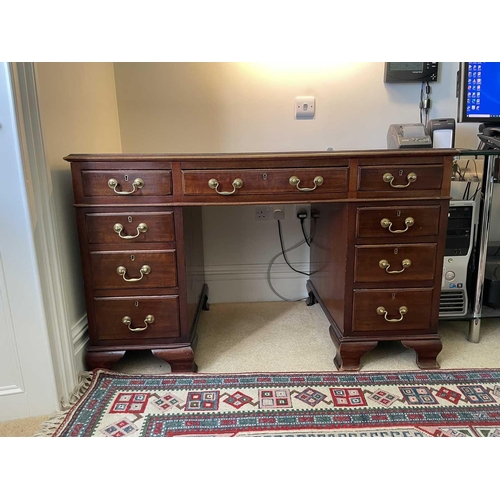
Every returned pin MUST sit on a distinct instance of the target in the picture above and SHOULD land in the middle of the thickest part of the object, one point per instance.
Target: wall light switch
(305, 107)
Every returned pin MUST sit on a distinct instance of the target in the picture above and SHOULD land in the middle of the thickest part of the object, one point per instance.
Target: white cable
(269, 273)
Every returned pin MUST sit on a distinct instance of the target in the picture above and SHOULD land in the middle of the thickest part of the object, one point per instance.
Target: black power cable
(420, 105)
(302, 216)
(478, 189)
(466, 192)
(425, 104)
(307, 238)
(284, 252)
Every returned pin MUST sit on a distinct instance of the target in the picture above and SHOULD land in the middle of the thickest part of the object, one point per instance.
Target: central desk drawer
(137, 269)
(273, 181)
(130, 227)
(392, 310)
(151, 318)
(398, 222)
(395, 263)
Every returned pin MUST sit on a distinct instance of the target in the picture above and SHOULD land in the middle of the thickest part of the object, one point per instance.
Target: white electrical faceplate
(305, 107)
(270, 212)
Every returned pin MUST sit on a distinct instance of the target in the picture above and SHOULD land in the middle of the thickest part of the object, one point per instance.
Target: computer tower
(458, 249)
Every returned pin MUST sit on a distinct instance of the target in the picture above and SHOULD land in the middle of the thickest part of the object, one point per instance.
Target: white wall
(238, 107)
(78, 114)
(249, 107)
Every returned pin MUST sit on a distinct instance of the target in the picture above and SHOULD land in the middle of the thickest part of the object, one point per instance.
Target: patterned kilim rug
(417, 403)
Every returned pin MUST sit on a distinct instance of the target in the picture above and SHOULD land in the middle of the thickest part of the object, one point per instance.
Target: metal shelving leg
(474, 330)
(484, 224)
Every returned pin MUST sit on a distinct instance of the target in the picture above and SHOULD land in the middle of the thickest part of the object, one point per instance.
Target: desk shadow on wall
(67, 235)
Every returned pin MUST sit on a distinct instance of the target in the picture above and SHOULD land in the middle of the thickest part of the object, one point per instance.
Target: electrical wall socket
(307, 208)
(266, 212)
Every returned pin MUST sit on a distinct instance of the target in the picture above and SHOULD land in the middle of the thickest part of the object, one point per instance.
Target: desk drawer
(395, 263)
(129, 228)
(126, 184)
(110, 314)
(404, 179)
(148, 269)
(382, 310)
(255, 181)
(398, 223)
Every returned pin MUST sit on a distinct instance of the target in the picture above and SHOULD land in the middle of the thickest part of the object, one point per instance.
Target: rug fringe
(48, 427)
(84, 380)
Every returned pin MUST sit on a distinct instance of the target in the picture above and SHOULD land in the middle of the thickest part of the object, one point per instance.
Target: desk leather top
(424, 152)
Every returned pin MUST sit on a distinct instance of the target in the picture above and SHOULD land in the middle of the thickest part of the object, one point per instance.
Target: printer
(408, 136)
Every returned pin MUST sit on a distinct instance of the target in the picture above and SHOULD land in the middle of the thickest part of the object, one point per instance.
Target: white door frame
(28, 385)
(44, 228)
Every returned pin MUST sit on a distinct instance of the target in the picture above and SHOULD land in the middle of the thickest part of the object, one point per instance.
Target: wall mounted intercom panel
(404, 72)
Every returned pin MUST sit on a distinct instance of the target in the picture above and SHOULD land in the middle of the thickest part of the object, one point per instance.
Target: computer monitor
(479, 92)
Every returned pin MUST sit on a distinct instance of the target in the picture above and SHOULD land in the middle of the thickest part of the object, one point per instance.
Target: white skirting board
(249, 283)
(80, 338)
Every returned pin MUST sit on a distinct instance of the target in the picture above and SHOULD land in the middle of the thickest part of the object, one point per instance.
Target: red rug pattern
(455, 403)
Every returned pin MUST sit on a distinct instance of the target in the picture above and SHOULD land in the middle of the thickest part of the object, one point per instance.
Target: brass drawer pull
(384, 264)
(295, 181)
(213, 184)
(122, 271)
(127, 320)
(411, 177)
(141, 228)
(386, 223)
(382, 311)
(137, 184)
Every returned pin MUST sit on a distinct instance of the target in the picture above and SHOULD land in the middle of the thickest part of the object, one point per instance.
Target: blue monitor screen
(479, 98)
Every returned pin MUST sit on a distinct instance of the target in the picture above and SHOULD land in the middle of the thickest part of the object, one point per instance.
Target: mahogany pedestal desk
(380, 221)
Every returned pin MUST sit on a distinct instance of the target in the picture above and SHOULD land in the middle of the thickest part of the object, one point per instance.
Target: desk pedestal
(376, 285)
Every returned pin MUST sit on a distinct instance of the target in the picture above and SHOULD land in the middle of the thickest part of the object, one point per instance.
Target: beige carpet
(289, 336)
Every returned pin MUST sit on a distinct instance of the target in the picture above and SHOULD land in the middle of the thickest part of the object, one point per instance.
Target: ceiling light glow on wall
(289, 69)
